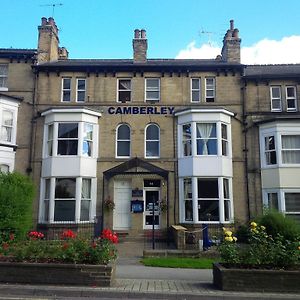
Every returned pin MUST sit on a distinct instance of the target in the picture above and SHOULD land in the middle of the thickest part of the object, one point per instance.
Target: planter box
(256, 280)
(62, 274)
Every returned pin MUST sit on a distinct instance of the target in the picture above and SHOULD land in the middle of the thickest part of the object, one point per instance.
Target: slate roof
(129, 65)
(272, 71)
(17, 53)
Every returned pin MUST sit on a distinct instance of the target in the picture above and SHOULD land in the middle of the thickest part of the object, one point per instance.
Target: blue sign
(141, 110)
(137, 206)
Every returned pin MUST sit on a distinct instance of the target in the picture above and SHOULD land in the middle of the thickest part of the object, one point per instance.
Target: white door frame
(149, 213)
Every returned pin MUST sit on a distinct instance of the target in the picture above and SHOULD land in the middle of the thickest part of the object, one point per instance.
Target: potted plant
(72, 260)
(109, 204)
(266, 263)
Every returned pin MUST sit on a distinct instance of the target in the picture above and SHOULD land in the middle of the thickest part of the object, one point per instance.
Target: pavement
(135, 281)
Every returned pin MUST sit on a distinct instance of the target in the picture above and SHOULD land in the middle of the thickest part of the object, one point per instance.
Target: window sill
(3, 89)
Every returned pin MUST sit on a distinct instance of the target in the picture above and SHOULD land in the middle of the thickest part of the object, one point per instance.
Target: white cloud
(266, 51)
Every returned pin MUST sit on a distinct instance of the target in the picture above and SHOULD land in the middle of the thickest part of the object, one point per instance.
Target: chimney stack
(48, 41)
(140, 46)
(231, 51)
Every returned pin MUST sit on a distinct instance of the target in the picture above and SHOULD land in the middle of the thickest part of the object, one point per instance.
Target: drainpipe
(175, 166)
(245, 130)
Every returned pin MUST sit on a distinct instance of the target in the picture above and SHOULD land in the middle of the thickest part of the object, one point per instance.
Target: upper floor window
(270, 150)
(124, 90)
(152, 141)
(195, 89)
(187, 139)
(67, 139)
(206, 139)
(123, 141)
(66, 90)
(291, 99)
(7, 126)
(290, 149)
(3, 76)
(152, 89)
(80, 89)
(275, 98)
(210, 89)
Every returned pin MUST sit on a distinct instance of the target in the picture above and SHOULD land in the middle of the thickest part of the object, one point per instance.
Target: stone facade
(166, 128)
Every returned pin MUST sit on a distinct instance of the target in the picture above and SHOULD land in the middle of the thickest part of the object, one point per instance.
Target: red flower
(68, 234)
(11, 237)
(109, 235)
(65, 246)
(35, 235)
(5, 246)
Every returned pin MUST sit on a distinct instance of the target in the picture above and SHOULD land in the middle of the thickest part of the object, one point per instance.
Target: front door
(122, 213)
(151, 205)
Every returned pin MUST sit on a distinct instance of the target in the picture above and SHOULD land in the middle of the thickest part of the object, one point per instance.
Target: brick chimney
(140, 46)
(48, 41)
(231, 51)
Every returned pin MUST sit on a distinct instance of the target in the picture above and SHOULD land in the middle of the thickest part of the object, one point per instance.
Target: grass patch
(179, 262)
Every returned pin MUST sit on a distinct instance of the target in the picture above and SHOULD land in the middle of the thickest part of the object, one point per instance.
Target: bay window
(206, 139)
(290, 149)
(211, 197)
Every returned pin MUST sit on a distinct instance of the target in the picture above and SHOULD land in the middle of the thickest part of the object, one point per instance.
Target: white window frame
(187, 141)
(216, 138)
(185, 199)
(288, 149)
(294, 98)
(123, 140)
(69, 90)
(68, 139)
(14, 110)
(46, 215)
(210, 87)
(198, 79)
(149, 141)
(224, 140)
(7, 127)
(78, 91)
(221, 200)
(4, 78)
(124, 90)
(273, 98)
(152, 89)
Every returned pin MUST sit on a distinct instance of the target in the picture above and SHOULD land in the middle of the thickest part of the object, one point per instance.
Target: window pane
(195, 96)
(3, 70)
(123, 148)
(80, 95)
(7, 118)
(125, 84)
(85, 210)
(206, 130)
(291, 103)
(275, 92)
(152, 149)
(152, 132)
(270, 142)
(6, 134)
(81, 84)
(290, 92)
(208, 210)
(68, 130)
(47, 189)
(64, 210)
(273, 201)
(227, 210)
(123, 132)
(186, 131)
(46, 210)
(224, 131)
(87, 148)
(226, 188)
(124, 96)
(86, 188)
(290, 141)
(188, 205)
(67, 83)
(152, 83)
(152, 95)
(67, 147)
(65, 188)
(292, 202)
(207, 147)
(208, 188)
(195, 84)
(187, 183)
(88, 131)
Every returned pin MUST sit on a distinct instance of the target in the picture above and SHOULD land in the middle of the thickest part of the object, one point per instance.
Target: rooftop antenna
(209, 34)
(53, 6)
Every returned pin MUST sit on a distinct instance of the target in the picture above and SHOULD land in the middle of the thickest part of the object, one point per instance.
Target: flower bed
(71, 260)
(265, 263)
(255, 280)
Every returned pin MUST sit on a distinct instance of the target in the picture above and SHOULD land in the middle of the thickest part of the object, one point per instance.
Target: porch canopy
(134, 166)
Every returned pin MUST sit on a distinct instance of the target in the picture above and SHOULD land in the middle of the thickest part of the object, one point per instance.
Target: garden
(26, 256)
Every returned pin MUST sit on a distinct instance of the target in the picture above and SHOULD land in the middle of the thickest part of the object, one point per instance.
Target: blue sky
(175, 28)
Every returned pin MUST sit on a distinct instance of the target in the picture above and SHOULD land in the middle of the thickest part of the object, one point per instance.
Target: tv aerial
(53, 6)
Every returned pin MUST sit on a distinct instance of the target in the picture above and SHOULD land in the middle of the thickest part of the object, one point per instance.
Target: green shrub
(16, 196)
(277, 223)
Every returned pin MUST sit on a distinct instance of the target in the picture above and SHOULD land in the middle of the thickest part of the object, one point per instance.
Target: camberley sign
(141, 110)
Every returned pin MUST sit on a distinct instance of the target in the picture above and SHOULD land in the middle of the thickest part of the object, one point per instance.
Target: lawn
(179, 262)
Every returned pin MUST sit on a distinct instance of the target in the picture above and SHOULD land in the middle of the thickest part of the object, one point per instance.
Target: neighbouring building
(164, 141)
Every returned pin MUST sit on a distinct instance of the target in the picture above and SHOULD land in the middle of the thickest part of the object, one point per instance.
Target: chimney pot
(137, 34)
(235, 33)
(143, 33)
(44, 21)
(231, 24)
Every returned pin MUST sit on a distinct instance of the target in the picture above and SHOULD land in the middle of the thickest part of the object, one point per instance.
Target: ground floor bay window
(286, 201)
(206, 200)
(67, 200)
